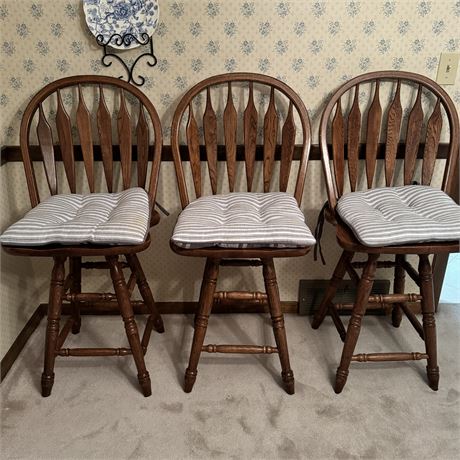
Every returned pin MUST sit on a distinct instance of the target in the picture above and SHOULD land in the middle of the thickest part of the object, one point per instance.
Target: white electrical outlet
(447, 70)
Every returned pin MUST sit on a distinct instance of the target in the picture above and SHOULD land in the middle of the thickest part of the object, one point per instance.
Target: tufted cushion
(243, 220)
(100, 218)
(400, 215)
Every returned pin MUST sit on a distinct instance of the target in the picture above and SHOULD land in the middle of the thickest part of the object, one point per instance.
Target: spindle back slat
(230, 133)
(391, 118)
(45, 139)
(270, 136)
(90, 96)
(142, 135)
(193, 142)
(353, 138)
(210, 139)
(64, 130)
(125, 141)
(338, 145)
(433, 136)
(413, 135)
(250, 137)
(393, 132)
(281, 99)
(374, 119)
(104, 124)
(287, 148)
(86, 139)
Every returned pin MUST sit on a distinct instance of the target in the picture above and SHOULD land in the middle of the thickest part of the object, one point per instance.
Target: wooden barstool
(66, 237)
(403, 220)
(240, 228)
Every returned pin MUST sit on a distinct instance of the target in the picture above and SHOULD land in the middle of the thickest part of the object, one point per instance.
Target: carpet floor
(237, 408)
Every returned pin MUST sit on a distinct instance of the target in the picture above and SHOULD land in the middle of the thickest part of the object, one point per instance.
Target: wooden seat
(135, 114)
(220, 142)
(431, 119)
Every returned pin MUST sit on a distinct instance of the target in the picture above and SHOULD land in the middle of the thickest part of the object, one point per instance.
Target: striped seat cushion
(400, 215)
(98, 218)
(243, 220)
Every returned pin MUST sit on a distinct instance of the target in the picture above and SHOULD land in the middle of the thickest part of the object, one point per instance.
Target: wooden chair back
(220, 130)
(69, 120)
(417, 115)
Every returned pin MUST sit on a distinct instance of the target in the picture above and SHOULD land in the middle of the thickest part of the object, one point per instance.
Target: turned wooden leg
(398, 288)
(208, 287)
(75, 288)
(326, 303)
(52, 327)
(429, 323)
(273, 296)
(126, 310)
(354, 326)
(154, 321)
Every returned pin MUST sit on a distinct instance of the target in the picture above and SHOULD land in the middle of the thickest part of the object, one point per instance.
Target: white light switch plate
(447, 70)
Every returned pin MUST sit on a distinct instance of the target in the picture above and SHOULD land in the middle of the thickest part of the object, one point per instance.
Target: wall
(313, 46)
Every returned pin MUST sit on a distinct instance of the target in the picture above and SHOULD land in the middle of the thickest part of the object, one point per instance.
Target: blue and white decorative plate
(138, 18)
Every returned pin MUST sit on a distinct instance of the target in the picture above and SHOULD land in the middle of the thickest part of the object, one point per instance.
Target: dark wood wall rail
(12, 153)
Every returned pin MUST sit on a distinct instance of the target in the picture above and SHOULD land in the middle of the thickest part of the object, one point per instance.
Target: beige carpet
(237, 408)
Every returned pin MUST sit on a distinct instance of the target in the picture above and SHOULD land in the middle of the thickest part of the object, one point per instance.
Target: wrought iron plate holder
(126, 40)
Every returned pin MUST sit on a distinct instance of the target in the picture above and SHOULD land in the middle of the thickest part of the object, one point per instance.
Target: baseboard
(21, 340)
(177, 308)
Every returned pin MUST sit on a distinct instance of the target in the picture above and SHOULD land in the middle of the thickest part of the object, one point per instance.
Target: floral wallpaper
(312, 45)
